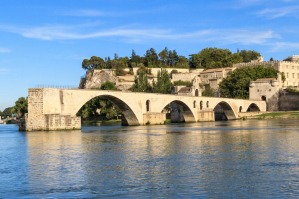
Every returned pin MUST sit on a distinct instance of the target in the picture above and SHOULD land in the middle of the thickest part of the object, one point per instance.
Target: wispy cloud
(4, 50)
(129, 34)
(281, 46)
(273, 13)
(86, 13)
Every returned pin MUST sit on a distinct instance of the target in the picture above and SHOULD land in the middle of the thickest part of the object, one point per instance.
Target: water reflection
(233, 159)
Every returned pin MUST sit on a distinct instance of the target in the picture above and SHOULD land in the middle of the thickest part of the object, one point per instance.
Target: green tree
(208, 91)
(93, 63)
(249, 55)
(151, 58)
(21, 107)
(163, 84)
(134, 59)
(236, 84)
(8, 112)
(108, 86)
(141, 83)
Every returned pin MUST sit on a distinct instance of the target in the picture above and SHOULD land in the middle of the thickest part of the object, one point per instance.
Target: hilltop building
(214, 76)
(288, 68)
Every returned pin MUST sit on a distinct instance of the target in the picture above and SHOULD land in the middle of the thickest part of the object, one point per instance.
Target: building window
(207, 104)
(293, 75)
(298, 75)
(200, 104)
(287, 66)
(194, 104)
(287, 75)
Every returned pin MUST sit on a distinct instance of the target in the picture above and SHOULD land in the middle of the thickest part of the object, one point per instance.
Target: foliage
(291, 90)
(120, 72)
(236, 85)
(163, 84)
(98, 108)
(108, 86)
(206, 58)
(217, 58)
(208, 91)
(93, 63)
(141, 83)
(8, 112)
(283, 77)
(249, 55)
(21, 107)
(182, 83)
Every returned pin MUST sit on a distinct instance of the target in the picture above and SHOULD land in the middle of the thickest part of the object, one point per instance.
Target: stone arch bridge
(55, 109)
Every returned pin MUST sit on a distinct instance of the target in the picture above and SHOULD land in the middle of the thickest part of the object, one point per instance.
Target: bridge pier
(37, 120)
(154, 118)
(205, 116)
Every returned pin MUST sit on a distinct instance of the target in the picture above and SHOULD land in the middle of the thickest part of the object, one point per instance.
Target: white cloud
(4, 50)
(128, 34)
(273, 13)
(283, 46)
(85, 13)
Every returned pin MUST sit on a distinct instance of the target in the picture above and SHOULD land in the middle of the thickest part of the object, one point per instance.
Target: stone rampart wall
(289, 101)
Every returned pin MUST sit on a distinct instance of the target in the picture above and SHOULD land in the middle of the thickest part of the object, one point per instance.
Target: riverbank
(277, 115)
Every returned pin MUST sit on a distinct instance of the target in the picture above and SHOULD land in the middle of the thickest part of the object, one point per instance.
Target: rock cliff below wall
(95, 78)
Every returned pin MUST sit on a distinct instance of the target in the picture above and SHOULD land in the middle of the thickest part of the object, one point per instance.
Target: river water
(232, 159)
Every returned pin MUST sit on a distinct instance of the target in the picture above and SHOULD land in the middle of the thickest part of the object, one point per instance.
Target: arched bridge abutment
(56, 109)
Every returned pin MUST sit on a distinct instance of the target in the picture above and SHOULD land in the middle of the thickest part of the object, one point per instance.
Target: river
(231, 159)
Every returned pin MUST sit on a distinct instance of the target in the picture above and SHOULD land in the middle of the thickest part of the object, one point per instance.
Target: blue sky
(44, 42)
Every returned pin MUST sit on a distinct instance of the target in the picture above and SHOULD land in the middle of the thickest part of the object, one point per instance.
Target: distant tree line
(18, 110)
(207, 58)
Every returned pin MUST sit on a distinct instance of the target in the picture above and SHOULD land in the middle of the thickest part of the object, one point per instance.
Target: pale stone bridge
(55, 109)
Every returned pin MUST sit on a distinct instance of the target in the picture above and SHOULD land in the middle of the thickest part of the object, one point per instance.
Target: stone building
(289, 67)
(214, 76)
(266, 89)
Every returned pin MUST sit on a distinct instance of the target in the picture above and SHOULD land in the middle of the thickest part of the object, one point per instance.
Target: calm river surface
(232, 159)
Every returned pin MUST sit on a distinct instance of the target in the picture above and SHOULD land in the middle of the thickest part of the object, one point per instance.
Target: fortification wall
(288, 101)
(183, 77)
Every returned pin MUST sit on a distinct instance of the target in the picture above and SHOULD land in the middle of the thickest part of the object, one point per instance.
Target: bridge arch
(128, 115)
(253, 108)
(180, 111)
(224, 111)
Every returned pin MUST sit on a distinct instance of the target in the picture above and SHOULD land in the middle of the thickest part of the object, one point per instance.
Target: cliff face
(95, 78)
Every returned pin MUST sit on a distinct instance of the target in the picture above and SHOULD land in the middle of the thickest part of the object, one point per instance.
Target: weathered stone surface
(55, 109)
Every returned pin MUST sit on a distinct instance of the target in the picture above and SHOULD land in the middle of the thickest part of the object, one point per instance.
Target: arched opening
(177, 111)
(223, 111)
(264, 98)
(109, 107)
(253, 108)
(194, 104)
(148, 108)
(207, 104)
(196, 92)
(240, 109)
(201, 105)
